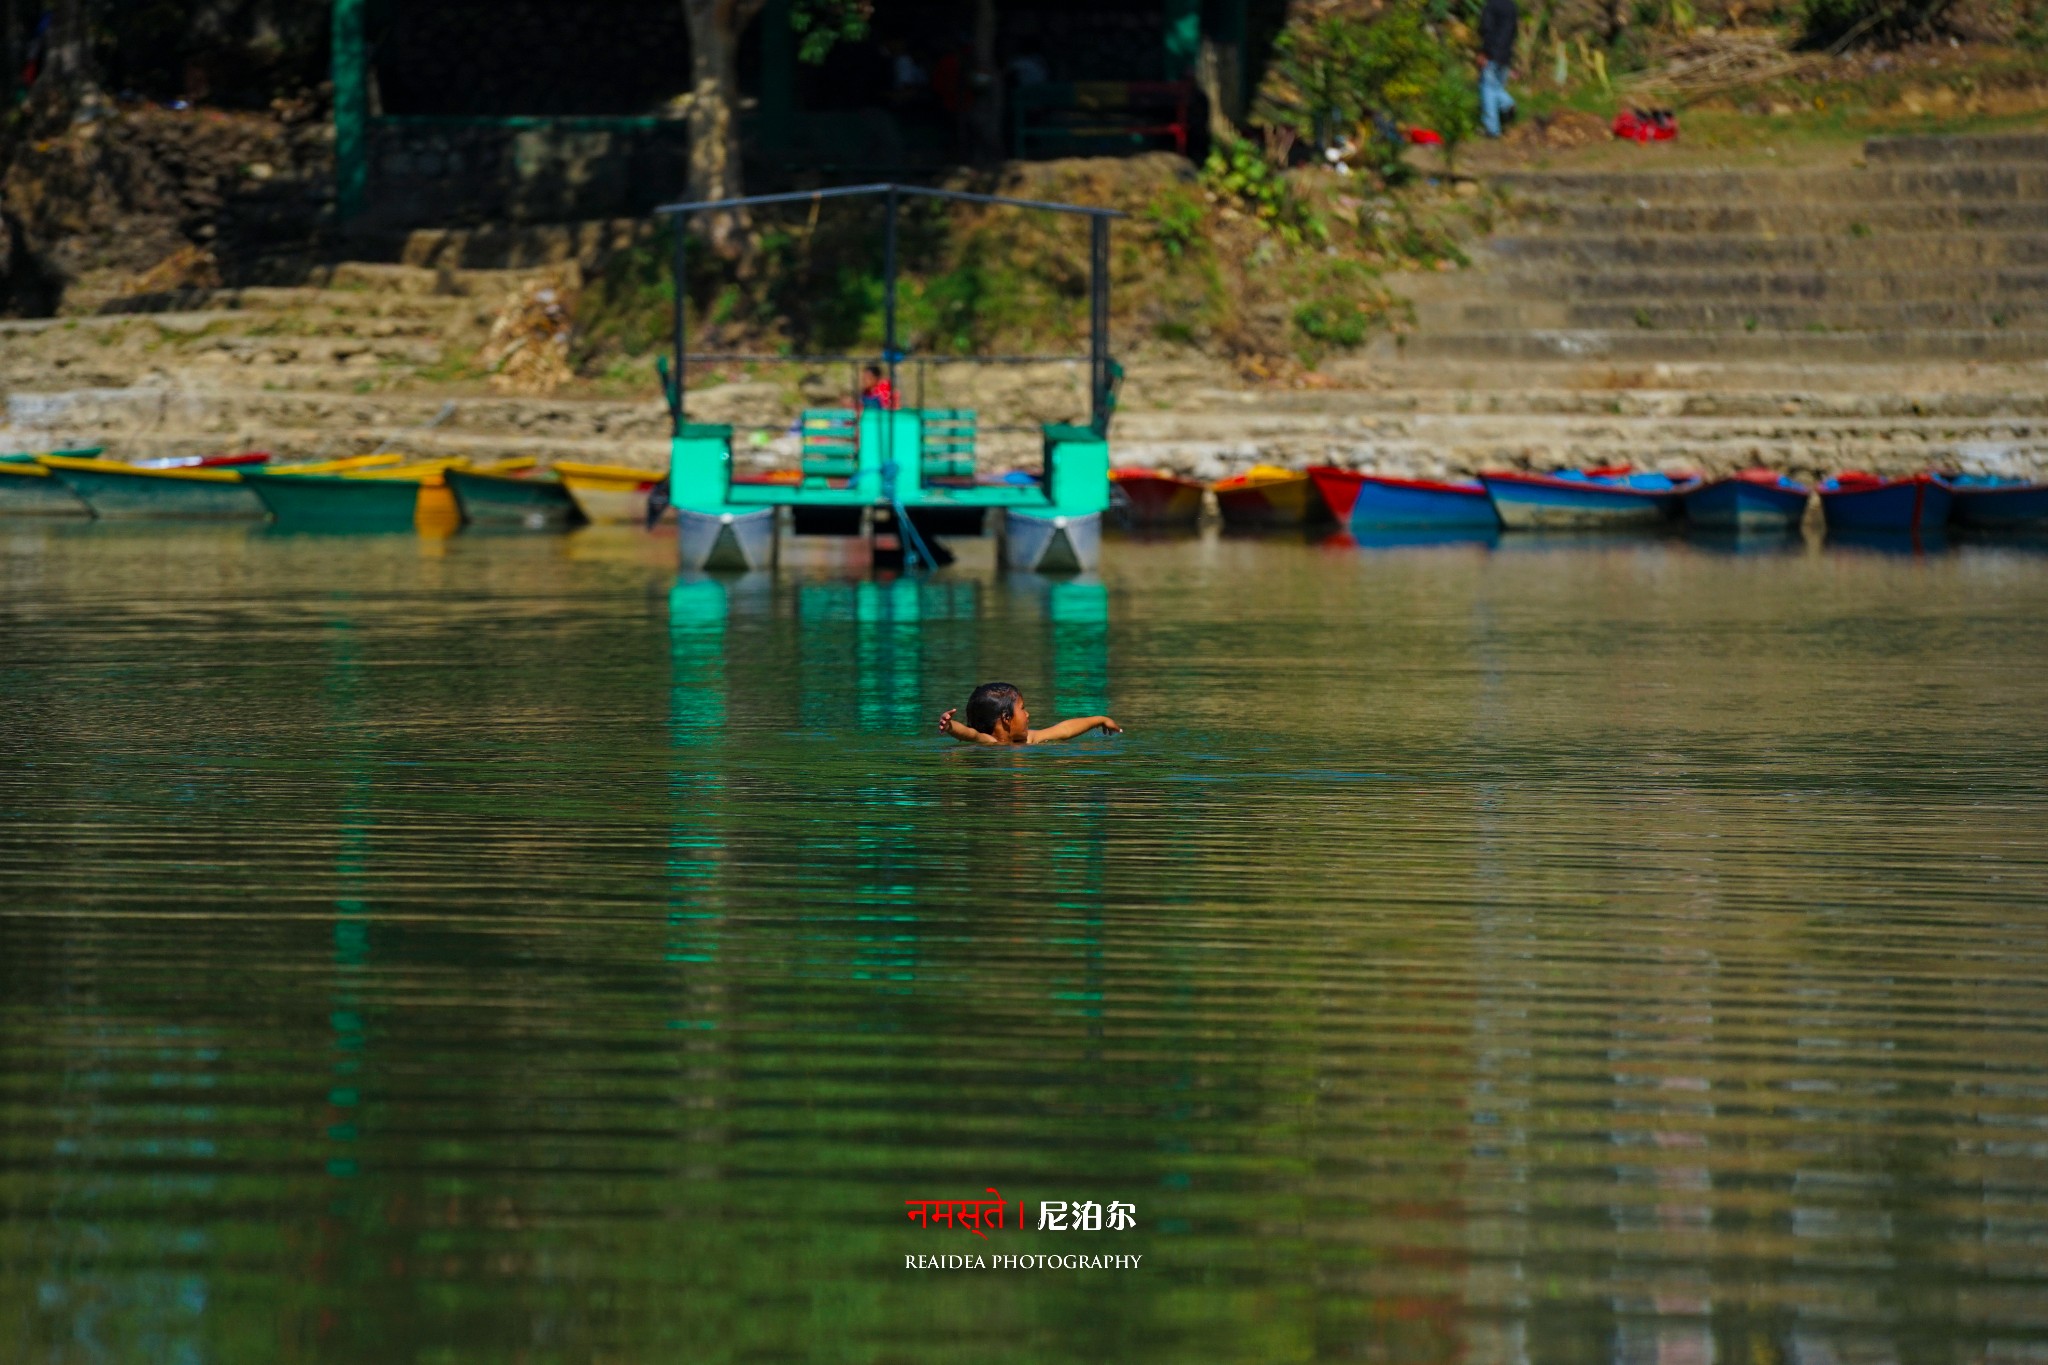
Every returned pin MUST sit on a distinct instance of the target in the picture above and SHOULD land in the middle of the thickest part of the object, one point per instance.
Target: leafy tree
(1318, 79)
(1327, 76)
(821, 25)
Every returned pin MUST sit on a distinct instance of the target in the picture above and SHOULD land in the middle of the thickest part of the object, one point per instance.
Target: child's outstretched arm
(966, 734)
(1074, 729)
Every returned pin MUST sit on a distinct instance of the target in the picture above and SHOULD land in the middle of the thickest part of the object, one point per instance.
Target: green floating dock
(887, 465)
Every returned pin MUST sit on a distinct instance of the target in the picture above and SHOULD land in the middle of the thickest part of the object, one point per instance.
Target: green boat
(337, 502)
(537, 502)
(121, 492)
(28, 489)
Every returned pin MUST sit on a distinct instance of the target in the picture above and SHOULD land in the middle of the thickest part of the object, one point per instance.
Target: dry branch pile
(527, 350)
(1708, 63)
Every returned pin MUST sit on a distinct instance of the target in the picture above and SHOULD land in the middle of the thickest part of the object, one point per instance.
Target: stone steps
(1735, 286)
(1908, 216)
(315, 443)
(1824, 412)
(1966, 181)
(1648, 314)
(1948, 250)
(1926, 150)
(1645, 347)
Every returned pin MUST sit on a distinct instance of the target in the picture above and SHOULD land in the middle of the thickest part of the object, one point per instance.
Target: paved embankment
(1891, 316)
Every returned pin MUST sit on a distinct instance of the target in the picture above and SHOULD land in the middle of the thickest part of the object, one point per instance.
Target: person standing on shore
(1497, 25)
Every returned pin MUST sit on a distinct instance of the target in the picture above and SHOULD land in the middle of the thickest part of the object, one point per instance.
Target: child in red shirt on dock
(996, 715)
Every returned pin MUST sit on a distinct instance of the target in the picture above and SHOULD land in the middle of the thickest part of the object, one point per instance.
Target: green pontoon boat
(373, 501)
(28, 489)
(538, 501)
(207, 489)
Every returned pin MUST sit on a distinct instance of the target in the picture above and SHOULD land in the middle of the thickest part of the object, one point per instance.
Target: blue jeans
(1494, 99)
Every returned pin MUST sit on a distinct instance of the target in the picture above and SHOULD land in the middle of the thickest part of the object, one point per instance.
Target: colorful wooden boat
(1266, 497)
(490, 498)
(1856, 501)
(201, 488)
(1993, 501)
(1752, 500)
(1150, 498)
(1382, 502)
(610, 493)
(391, 497)
(27, 488)
(1609, 498)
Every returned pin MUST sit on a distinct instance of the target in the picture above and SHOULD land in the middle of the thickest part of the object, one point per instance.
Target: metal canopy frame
(1098, 273)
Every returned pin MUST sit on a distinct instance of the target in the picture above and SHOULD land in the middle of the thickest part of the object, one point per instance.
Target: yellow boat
(609, 492)
(349, 464)
(1265, 497)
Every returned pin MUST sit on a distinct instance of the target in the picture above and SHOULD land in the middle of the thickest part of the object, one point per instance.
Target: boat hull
(1745, 505)
(31, 490)
(117, 494)
(1036, 543)
(1378, 502)
(726, 542)
(1269, 505)
(610, 501)
(2023, 504)
(1915, 506)
(335, 502)
(1535, 503)
(1157, 500)
(503, 500)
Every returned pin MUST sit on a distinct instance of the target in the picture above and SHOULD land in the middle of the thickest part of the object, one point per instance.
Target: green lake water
(493, 950)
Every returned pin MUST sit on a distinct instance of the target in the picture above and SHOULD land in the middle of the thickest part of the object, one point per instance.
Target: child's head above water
(996, 714)
(997, 709)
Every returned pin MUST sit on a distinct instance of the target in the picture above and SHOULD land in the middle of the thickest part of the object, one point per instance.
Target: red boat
(204, 461)
(1155, 497)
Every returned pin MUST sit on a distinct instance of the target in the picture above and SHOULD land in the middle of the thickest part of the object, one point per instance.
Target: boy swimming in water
(996, 715)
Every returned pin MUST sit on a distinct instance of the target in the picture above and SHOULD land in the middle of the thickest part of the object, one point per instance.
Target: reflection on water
(1593, 950)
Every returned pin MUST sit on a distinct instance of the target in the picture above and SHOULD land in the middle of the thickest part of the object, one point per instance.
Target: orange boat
(1155, 497)
(1267, 497)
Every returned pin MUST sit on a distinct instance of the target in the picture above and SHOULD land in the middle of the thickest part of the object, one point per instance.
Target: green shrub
(1176, 217)
(1450, 105)
(1344, 302)
(1239, 171)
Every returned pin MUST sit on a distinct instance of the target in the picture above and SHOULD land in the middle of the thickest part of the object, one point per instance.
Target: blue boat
(1855, 501)
(1753, 500)
(1991, 500)
(1380, 502)
(1598, 499)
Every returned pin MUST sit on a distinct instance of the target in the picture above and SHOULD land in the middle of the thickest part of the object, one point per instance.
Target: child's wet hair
(989, 704)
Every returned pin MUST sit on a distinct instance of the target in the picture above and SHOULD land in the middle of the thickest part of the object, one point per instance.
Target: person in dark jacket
(1497, 25)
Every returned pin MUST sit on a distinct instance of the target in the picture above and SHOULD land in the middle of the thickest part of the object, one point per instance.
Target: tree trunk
(67, 81)
(985, 114)
(715, 173)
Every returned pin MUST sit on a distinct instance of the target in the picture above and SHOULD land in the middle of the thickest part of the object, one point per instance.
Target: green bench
(830, 446)
(948, 443)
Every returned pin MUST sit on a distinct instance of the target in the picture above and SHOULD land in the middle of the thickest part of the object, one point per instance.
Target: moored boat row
(383, 492)
(1612, 497)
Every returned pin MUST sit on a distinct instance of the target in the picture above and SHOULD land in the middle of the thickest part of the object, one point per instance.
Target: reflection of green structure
(898, 465)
